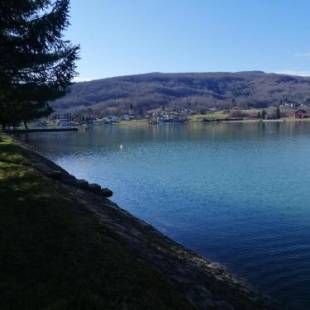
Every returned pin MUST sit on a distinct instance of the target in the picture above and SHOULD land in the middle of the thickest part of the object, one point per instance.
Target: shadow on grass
(56, 254)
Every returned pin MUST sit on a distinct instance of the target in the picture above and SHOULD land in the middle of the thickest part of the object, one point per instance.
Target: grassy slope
(55, 254)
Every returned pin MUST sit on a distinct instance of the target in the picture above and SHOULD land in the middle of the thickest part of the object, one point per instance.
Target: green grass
(56, 254)
(135, 122)
(217, 115)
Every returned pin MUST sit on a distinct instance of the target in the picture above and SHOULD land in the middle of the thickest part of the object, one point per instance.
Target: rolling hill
(177, 91)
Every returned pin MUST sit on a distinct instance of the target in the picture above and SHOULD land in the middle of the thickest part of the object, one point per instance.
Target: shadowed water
(236, 193)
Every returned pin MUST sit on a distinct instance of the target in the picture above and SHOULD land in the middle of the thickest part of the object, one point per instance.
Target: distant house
(301, 114)
(114, 118)
(41, 123)
(63, 122)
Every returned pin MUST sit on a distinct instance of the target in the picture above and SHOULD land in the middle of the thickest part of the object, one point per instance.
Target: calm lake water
(236, 193)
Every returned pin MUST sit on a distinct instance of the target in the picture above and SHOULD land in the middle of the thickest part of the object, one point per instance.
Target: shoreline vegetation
(281, 120)
(194, 119)
(65, 245)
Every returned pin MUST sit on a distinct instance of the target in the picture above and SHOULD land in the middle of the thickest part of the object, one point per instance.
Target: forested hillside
(195, 91)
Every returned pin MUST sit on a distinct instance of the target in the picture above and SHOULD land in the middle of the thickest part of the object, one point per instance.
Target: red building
(301, 114)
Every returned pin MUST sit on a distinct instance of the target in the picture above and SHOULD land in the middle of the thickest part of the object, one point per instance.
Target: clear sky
(120, 37)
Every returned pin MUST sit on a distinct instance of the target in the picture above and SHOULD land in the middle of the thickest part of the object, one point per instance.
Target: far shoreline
(143, 122)
(146, 123)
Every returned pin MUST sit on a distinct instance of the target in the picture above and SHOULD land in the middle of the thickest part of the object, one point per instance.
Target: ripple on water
(237, 193)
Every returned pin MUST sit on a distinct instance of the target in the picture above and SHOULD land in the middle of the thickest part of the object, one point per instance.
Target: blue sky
(120, 37)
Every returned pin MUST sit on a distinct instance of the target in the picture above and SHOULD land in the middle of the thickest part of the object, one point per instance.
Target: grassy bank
(135, 123)
(63, 246)
(55, 253)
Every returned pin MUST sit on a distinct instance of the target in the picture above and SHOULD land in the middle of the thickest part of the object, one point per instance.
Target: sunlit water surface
(236, 193)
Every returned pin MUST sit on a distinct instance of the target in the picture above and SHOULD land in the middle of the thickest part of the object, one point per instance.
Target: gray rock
(95, 188)
(82, 184)
(106, 192)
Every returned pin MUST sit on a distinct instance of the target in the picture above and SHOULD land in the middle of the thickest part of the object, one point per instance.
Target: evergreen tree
(36, 63)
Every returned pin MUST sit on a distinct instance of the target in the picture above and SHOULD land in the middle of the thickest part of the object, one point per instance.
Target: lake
(236, 193)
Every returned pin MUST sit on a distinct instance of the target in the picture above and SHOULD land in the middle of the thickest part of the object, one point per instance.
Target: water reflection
(237, 193)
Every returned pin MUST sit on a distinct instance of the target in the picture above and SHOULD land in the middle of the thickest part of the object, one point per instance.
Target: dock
(31, 130)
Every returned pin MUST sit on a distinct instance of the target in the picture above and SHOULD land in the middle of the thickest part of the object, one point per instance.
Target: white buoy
(121, 147)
